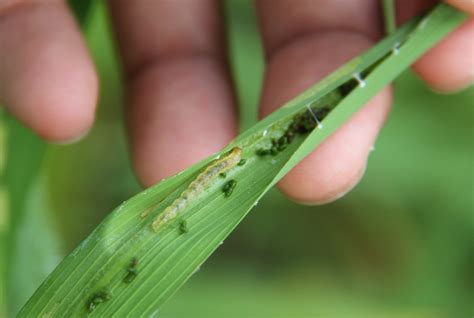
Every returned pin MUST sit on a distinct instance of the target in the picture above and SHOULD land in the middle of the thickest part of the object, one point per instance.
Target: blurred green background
(400, 245)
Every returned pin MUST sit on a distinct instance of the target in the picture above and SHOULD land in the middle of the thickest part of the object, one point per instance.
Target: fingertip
(307, 196)
(47, 81)
(59, 107)
(449, 66)
(65, 122)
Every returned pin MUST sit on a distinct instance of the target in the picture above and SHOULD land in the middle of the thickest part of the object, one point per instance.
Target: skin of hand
(48, 81)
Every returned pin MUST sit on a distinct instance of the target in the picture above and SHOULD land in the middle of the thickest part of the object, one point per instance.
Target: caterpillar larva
(228, 161)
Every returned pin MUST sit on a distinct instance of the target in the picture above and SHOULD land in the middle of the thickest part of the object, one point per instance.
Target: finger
(449, 66)
(180, 102)
(305, 41)
(46, 77)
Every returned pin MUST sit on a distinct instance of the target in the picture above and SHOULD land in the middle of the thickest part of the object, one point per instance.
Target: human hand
(180, 105)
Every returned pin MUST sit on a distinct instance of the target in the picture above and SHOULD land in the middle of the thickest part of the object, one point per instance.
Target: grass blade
(22, 154)
(389, 16)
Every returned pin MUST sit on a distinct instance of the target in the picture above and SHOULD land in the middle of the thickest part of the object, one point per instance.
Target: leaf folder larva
(195, 188)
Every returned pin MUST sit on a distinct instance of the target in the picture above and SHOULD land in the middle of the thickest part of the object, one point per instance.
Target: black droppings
(183, 227)
(281, 147)
(347, 87)
(131, 275)
(132, 271)
(263, 152)
(283, 140)
(96, 299)
(301, 124)
(228, 188)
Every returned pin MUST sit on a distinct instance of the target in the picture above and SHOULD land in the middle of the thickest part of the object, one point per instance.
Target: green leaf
(22, 154)
(35, 239)
(95, 278)
(390, 17)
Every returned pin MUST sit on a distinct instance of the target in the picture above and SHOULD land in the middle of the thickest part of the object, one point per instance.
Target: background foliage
(399, 245)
